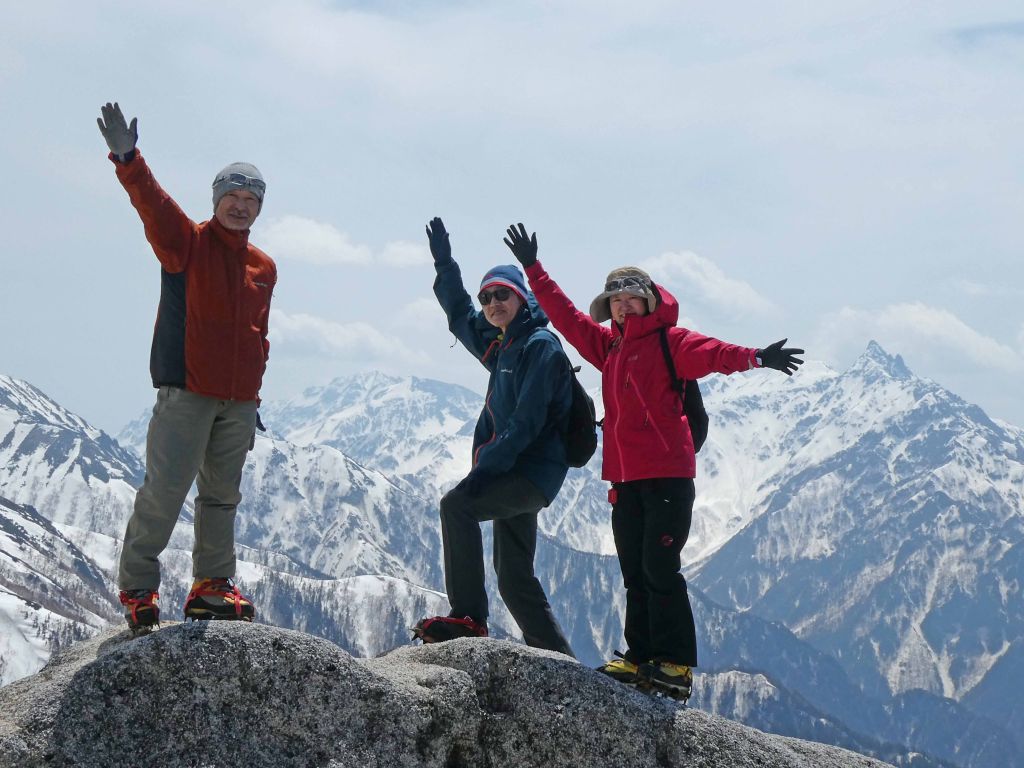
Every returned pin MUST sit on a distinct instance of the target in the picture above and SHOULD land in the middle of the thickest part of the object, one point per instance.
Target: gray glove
(121, 137)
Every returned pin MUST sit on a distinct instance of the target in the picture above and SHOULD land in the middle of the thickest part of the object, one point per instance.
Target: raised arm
(468, 325)
(697, 355)
(591, 339)
(167, 227)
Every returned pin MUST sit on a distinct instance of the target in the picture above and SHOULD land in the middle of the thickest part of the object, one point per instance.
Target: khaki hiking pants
(191, 438)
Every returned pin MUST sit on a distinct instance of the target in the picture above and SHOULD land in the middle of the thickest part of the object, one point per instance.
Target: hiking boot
(442, 628)
(675, 680)
(141, 609)
(217, 599)
(621, 669)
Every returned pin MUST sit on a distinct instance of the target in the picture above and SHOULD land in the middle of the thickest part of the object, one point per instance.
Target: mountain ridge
(770, 437)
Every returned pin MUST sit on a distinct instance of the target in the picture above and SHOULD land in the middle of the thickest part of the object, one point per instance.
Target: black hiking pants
(651, 522)
(512, 502)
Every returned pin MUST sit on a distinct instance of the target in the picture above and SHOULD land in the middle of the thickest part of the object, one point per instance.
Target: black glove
(259, 423)
(473, 484)
(121, 138)
(780, 358)
(440, 248)
(523, 248)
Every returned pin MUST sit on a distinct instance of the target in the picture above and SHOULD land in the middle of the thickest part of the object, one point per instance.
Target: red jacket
(645, 431)
(211, 327)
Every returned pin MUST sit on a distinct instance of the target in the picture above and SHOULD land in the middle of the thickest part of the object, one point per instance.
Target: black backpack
(581, 424)
(581, 431)
(690, 396)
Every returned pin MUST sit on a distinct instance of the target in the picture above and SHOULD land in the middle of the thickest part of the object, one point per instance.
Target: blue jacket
(529, 392)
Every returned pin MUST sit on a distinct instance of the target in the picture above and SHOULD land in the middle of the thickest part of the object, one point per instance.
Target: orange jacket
(211, 327)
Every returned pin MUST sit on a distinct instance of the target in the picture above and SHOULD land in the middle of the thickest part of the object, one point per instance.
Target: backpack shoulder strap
(678, 384)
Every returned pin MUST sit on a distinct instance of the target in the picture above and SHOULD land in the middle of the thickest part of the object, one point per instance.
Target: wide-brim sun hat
(631, 280)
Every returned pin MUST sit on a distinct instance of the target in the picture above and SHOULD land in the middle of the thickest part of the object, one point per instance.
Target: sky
(833, 173)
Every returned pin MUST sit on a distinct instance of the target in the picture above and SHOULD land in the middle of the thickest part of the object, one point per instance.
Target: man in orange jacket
(209, 353)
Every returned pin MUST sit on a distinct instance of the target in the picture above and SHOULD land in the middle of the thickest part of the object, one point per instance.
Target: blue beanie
(507, 275)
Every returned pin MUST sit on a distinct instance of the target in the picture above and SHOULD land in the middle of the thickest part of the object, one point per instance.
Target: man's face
(623, 304)
(238, 209)
(500, 312)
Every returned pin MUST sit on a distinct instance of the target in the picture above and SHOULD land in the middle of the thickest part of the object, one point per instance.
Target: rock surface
(233, 695)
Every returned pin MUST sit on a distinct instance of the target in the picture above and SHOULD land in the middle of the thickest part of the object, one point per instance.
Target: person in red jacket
(208, 357)
(648, 453)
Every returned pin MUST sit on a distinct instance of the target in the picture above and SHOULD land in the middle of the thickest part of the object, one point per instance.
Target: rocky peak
(876, 360)
(222, 693)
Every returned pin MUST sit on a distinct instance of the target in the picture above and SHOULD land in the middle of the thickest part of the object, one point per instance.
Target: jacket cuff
(534, 270)
(122, 159)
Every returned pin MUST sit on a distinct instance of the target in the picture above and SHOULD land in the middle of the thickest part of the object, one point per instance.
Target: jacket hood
(529, 317)
(666, 314)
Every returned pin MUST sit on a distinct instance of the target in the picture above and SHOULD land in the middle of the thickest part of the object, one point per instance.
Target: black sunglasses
(501, 294)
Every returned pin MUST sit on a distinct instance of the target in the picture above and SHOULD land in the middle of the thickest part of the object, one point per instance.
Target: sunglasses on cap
(637, 284)
(501, 294)
(241, 180)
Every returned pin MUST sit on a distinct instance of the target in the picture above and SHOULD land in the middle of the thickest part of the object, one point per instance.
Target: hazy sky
(830, 172)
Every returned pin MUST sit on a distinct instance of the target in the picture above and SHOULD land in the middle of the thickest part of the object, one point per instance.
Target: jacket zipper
(494, 432)
(238, 320)
(647, 417)
(487, 400)
(618, 409)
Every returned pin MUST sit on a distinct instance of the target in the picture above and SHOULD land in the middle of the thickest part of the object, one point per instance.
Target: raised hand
(522, 247)
(781, 358)
(121, 137)
(440, 248)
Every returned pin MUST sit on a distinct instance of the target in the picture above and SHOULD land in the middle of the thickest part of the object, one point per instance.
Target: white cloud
(300, 239)
(296, 238)
(914, 330)
(693, 278)
(402, 253)
(303, 335)
(422, 313)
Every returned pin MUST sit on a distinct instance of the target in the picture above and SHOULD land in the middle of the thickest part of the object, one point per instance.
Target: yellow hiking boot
(621, 669)
(675, 680)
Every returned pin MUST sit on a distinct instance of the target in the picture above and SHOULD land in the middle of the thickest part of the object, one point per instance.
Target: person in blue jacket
(519, 460)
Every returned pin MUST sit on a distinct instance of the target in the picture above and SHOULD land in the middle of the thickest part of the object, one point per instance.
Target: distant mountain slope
(892, 537)
(51, 593)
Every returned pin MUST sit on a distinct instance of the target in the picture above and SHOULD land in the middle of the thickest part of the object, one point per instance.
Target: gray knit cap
(631, 280)
(239, 176)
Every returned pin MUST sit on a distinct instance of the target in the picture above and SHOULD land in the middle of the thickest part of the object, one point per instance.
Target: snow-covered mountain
(51, 593)
(891, 533)
(53, 460)
(819, 496)
(419, 433)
